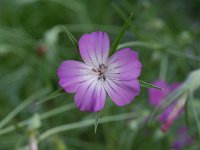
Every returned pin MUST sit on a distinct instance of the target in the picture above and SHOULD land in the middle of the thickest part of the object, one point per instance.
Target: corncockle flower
(174, 110)
(117, 76)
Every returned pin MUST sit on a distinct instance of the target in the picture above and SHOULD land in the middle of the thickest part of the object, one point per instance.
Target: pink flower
(173, 111)
(157, 96)
(99, 74)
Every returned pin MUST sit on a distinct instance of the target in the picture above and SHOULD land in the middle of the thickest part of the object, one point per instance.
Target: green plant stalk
(186, 114)
(157, 47)
(23, 105)
(42, 117)
(57, 111)
(51, 96)
(195, 113)
(97, 121)
(163, 66)
(71, 37)
(148, 85)
(85, 123)
(120, 35)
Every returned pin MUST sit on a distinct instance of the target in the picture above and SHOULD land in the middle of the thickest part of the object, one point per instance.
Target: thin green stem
(51, 96)
(97, 121)
(163, 66)
(42, 117)
(195, 113)
(57, 111)
(140, 43)
(23, 105)
(85, 123)
(157, 47)
(119, 37)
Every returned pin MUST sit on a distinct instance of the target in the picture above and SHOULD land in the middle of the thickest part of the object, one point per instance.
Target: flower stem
(42, 117)
(23, 105)
(85, 123)
(97, 121)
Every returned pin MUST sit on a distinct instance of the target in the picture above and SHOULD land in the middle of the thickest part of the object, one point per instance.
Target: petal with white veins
(121, 81)
(91, 96)
(124, 65)
(94, 48)
(122, 92)
(72, 74)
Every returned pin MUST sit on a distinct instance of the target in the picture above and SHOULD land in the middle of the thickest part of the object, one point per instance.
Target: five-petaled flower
(117, 76)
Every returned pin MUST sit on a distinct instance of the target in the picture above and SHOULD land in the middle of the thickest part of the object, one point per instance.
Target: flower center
(100, 71)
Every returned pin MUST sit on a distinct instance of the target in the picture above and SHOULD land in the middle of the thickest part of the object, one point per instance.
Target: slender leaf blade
(121, 34)
(71, 37)
(21, 107)
(186, 114)
(97, 121)
(148, 85)
(195, 114)
(51, 96)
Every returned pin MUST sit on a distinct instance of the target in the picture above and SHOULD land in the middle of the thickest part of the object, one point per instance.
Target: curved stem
(85, 123)
(153, 46)
(57, 111)
(42, 117)
(19, 108)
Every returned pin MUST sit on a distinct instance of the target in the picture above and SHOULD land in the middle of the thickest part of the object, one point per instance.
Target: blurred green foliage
(33, 43)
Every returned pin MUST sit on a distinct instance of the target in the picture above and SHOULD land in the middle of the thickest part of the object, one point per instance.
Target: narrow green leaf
(22, 106)
(119, 11)
(186, 114)
(51, 96)
(97, 121)
(71, 37)
(148, 85)
(120, 35)
(123, 16)
(195, 114)
(85, 123)
(43, 116)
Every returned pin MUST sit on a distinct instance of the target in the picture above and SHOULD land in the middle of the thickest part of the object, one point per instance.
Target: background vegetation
(33, 43)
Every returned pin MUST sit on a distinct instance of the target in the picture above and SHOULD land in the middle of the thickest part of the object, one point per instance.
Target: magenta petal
(71, 74)
(121, 82)
(156, 96)
(94, 48)
(122, 92)
(124, 65)
(90, 96)
(163, 117)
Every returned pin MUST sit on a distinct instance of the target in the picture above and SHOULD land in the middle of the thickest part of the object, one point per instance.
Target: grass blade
(195, 114)
(19, 108)
(148, 85)
(85, 123)
(97, 121)
(51, 96)
(120, 35)
(71, 37)
(43, 116)
(186, 114)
